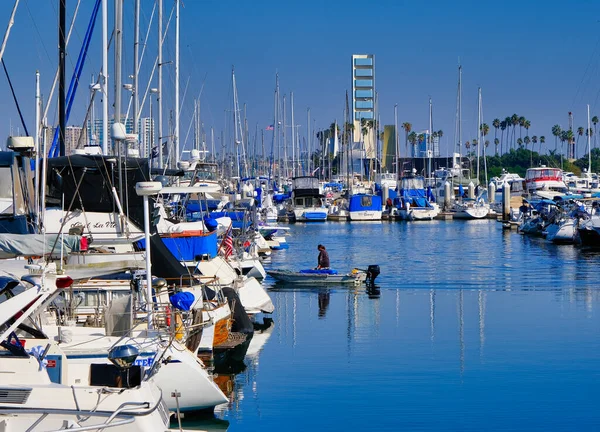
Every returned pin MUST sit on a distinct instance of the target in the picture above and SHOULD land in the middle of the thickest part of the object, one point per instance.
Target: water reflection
(324, 296)
(479, 325)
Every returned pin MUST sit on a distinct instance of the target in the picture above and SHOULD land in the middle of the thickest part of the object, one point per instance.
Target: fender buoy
(168, 318)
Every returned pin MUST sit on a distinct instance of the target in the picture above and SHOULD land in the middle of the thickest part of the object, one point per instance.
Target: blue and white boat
(306, 203)
(414, 201)
(364, 207)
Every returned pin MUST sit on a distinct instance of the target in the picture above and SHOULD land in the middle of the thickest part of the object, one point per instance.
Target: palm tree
(412, 138)
(534, 140)
(521, 124)
(580, 132)
(520, 142)
(440, 134)
(503, 126)
(407, 128)
(595, 122)
(485, 129)
(496, 143)
(526, 140)
(569, 136)
(542, 141)
(527, 125)
(496, 125)
(556, 131)
(514, 121)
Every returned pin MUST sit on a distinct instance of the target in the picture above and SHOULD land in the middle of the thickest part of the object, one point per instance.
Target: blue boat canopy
(361, 202)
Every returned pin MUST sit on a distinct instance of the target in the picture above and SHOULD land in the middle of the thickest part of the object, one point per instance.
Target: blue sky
(537, 59)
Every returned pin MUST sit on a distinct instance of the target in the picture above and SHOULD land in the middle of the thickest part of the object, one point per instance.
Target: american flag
(270, 127)
(228, 244)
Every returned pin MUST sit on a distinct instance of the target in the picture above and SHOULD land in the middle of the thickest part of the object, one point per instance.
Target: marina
(224, 230)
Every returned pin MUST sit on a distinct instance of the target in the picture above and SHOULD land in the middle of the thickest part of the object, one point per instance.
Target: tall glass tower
(363, 102)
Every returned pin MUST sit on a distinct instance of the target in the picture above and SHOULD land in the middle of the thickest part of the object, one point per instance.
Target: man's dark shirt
(323, 258)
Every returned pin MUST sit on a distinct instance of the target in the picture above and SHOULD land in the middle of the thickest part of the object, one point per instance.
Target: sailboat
(456, 175)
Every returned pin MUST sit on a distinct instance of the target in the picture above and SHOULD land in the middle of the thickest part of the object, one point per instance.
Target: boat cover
(28, 245)
(319, 271)
(360, 202)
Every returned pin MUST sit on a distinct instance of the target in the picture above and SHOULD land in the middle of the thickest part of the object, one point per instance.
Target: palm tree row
(505, 125)
(413, 138)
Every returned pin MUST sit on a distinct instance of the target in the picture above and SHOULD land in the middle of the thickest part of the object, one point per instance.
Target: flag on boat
(228, 244)
(270, 127)
(154, 154)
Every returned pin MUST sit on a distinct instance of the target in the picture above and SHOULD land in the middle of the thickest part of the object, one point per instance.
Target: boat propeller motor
(372, 272)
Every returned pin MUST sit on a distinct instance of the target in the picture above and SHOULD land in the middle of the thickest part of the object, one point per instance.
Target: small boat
(364, 207)
(306, 203)
(544, 179)
(325, 276)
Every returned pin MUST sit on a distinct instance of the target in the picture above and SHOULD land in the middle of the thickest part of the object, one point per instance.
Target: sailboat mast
(309, 139)
(479, 143)
(459, 122)
(159, 93)
(235, 123)
(104, 79)
(396, 136)
(293, 136)
(429, 142)
(285, 161)
(589, 139)
(176, 137)
(36, 141)
(136, 66)
(62, 26)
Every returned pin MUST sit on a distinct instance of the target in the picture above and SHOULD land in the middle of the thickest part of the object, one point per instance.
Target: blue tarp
(188, 248)
(361, 202)
(319, 271)
(194, 207)
(182, 300)
(415, 197)
(280, 197)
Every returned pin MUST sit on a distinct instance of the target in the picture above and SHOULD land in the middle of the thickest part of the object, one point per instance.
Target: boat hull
(317, 279)
(365, 215)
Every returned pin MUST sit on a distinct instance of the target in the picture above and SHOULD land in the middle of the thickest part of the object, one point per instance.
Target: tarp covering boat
(30, 245)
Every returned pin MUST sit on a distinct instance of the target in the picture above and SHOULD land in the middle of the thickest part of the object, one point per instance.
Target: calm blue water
(475, 328)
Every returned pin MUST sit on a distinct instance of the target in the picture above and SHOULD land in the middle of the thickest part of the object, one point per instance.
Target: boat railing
(122, 411)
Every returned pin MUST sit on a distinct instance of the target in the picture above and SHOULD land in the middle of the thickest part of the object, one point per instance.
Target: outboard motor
(372, 273)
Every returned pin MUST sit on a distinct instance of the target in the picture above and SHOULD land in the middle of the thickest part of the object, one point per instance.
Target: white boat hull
(563, 233)
(419, 213)
(184, 373)
(365, 215)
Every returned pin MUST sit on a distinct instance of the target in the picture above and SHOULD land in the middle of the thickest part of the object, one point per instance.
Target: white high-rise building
(146, 131)
(363, 102)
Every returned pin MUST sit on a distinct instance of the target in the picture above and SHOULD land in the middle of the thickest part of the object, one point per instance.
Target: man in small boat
(323, 260)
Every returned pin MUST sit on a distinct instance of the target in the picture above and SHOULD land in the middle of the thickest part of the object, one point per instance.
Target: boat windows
(308, 202)
(299, 201)
(366, 201)
(108, 375)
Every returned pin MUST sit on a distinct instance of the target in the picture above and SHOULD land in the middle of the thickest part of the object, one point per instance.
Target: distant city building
(146, 135)
(72, 137)
(422, 150)
(388, 148)
(94, 129)
(363, 101)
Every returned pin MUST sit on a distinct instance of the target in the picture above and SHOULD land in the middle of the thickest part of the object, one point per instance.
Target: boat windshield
(413, 183)
(545, 173)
